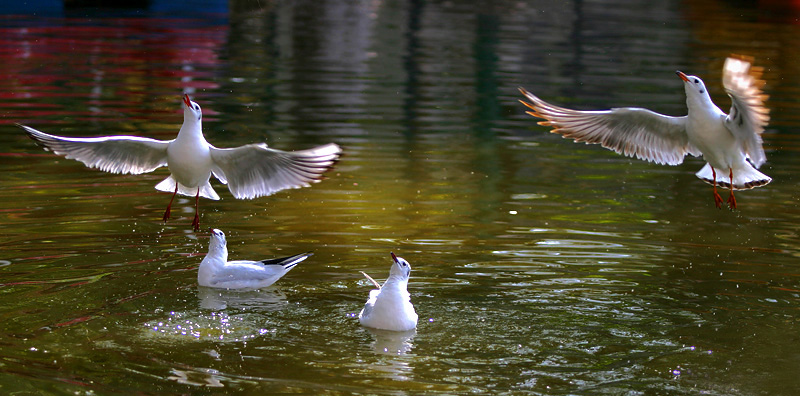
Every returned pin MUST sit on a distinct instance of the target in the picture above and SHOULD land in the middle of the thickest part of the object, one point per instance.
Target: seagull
(250, 171)
(216, 271)
(729, 143)
(389, 307)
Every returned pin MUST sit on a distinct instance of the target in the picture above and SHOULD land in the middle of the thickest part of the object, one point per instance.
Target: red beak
(394, 257)
(186, 100)
(682, 75)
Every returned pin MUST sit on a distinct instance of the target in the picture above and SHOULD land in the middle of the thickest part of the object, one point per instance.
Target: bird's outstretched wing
(115, 154)
(748, 115)
(255, 170)
(634, 132)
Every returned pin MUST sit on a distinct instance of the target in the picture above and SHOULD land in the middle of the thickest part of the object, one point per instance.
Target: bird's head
(693, 84)
(400, 268)
(217, 239)
(191, 110)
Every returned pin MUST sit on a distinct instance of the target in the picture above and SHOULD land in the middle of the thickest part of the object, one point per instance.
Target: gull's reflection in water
(270, 299)
(396, 347)
(197, 377)
(392, 342)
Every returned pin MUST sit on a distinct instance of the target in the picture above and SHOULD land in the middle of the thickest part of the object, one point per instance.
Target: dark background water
(540, 265)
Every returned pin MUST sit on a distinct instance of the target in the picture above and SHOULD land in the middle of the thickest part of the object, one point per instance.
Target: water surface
(539, 265)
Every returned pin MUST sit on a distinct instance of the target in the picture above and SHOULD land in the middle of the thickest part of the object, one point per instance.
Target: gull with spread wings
(250, 171)
(729, 143)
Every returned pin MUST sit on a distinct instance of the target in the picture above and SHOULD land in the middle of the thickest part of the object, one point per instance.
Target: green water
(540, 266)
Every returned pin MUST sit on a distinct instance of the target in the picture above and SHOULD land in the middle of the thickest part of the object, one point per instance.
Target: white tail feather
(744, 178)
(206, 191)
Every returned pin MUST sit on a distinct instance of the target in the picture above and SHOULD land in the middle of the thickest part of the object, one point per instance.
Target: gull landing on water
(216, 271)
(730, 143)
(251, 171)
(389, 307)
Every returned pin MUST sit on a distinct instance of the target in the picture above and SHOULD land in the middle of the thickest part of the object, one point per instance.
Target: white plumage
(216, 271)
(389, 307)
(730, 143)
(251, 171)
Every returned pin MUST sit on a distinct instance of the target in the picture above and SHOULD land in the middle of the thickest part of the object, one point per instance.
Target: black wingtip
(296, 258)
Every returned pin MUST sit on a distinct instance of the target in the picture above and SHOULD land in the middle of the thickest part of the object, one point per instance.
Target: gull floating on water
(389, 307)
(251, 171)
(730, 143)
(216, 271)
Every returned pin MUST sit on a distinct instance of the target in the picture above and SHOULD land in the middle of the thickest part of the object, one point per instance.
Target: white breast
(389, 309)
(189, 161)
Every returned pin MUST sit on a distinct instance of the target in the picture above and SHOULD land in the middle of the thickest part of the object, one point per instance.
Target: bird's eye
(696, 81)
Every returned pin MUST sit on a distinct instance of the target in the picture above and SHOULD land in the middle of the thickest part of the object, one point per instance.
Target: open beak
(186, 100)
(394, 257)
(682, 75)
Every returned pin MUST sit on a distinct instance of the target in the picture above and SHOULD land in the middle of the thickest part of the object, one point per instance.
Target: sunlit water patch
(219, 326)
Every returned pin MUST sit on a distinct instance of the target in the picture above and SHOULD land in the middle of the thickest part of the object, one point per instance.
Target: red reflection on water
(74, 321)
(60, 68)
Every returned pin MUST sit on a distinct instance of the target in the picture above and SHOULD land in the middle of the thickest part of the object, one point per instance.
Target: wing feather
(287, 262)
(634, 132)
(242, 270)
(748, 115)
(115, 154)
(255, 170)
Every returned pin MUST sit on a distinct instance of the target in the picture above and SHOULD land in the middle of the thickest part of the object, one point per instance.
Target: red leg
(196, 222)
(731, 199)
(166, 213)
(717, 198)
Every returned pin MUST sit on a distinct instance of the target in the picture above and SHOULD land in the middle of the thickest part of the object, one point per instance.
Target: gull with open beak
(389, 306)
(250, 171)
(729, 143)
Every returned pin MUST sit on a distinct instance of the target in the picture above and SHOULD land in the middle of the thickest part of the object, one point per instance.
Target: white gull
(216, 271)
(250, 171)
(730, 143)
(389, 307)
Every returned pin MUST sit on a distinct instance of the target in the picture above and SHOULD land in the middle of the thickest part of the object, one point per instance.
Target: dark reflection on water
(540, 265)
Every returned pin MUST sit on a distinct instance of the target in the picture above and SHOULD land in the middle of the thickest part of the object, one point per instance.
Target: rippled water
(540, 265)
